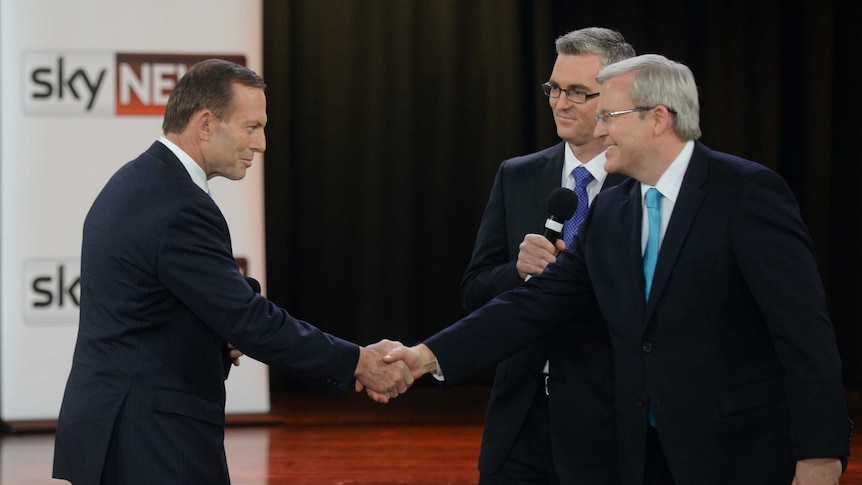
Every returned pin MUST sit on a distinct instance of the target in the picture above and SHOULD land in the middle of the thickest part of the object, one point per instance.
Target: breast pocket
(711, 261)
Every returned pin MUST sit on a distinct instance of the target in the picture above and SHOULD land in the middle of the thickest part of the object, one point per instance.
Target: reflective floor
(427, 437)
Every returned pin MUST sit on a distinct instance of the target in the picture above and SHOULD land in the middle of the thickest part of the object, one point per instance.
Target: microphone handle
(553, 229)
(551, 235)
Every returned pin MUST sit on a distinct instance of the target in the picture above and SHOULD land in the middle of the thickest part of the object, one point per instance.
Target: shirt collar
(596, 166)
(199, 177)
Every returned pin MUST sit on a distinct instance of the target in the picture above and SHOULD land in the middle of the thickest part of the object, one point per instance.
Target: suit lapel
(630, 214)
(688, 202)
(612, 180)
(549, 173)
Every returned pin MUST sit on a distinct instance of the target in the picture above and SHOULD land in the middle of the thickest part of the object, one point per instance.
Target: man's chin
(612, 164)
(575, 138)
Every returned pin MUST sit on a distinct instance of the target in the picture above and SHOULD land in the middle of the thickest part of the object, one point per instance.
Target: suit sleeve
(196, 264)
(491, 270)
(517, 318)
(777, 261)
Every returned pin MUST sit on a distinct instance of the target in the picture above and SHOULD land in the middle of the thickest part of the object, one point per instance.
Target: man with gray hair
(726, 366)
(550, 416)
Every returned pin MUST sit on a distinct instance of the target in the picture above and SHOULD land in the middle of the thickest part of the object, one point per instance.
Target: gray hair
(660, 81)
(607, 43)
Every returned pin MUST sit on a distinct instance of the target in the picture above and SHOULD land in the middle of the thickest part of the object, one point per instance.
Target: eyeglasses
(573, 95)
(607, 116)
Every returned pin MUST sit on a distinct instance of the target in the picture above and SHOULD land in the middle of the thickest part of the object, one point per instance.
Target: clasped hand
(381, 380)
(411, 362)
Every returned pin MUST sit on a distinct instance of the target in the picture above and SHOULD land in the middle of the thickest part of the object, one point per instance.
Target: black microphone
(561, 207)
(226, 360)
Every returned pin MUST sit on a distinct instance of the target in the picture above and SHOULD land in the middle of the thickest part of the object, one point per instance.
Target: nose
(258, 143)
(600, 131)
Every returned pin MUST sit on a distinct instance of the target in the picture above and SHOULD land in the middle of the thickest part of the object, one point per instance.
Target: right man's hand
(535, 253)
(382, 381)
(419, 359)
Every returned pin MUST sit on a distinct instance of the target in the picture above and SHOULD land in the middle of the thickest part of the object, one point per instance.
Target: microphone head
(562, 204)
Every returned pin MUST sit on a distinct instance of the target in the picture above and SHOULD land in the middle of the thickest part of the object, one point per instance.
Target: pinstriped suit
(160, 296)
(734, 348)
(583, 435)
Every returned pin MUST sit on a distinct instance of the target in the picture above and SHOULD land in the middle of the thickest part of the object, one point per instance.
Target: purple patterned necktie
(583, 177)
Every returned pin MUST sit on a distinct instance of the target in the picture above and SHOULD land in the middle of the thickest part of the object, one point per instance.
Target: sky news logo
(52, 291)
(104, 84)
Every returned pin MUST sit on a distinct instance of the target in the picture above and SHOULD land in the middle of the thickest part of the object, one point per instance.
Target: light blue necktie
(583, 177)
(653, 203)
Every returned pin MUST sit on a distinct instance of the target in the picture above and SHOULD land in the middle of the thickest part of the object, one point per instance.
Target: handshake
(388, 368)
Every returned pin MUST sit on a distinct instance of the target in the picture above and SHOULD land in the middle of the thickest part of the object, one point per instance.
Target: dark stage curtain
(388, 119)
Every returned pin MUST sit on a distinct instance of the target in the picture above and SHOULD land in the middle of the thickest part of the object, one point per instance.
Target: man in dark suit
(518, 444)
(161, 295)
(725, 361)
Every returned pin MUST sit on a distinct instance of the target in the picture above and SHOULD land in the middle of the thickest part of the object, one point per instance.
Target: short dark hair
(207, 85)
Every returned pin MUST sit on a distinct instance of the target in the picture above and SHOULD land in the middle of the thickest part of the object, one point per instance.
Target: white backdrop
(82, 89)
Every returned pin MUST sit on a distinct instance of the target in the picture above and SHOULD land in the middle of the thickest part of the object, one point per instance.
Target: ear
(662, 120)
(202, 124)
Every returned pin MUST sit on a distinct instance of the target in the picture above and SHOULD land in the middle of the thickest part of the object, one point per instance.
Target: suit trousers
(529, 460)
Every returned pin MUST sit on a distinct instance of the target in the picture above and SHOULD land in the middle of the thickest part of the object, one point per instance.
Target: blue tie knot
(582, 176)
(653, 199)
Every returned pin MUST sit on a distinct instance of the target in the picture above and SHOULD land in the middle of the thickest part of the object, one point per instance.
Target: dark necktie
(583, 177)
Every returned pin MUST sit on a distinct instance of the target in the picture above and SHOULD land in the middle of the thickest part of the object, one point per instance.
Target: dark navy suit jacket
(734, 348)
(161, 294)
(583, 435)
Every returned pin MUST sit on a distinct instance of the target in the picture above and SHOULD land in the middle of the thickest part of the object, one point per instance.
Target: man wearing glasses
(725, 361)
(550, 413)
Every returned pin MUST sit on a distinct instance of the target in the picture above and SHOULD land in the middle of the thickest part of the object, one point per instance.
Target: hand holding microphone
(537, 251)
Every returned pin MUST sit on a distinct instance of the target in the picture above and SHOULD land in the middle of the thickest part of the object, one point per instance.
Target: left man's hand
(817, 471)
(380, 380)
(234, 354)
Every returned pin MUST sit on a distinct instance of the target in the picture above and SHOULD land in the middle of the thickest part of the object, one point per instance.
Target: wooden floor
(427, 437)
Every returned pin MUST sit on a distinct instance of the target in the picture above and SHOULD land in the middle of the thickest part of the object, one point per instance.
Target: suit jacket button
(647, 347)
